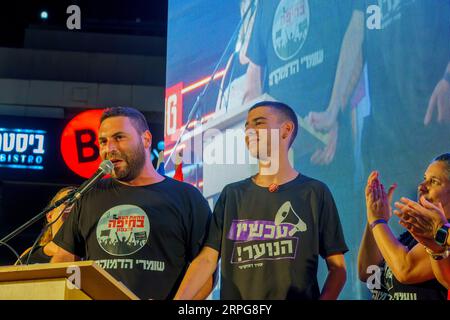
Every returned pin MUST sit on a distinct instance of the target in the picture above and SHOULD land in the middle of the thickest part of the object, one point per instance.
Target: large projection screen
(363, 77)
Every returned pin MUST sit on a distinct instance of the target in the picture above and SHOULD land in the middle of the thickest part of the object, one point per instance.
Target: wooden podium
(50, 281)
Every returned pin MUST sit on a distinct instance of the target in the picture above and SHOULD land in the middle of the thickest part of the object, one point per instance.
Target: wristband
(378, 221)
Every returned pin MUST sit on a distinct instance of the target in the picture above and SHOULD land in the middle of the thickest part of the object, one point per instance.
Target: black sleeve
(360, 5)
(214, 239)
(256, 50)
(200, 216)
(331, 237)
(345, 11)
(69, 237)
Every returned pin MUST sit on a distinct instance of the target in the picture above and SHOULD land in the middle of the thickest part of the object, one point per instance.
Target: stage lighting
(44, 15)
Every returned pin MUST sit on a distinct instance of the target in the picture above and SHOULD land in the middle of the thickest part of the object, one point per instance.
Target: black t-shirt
(392, 289)
(406, 58)
(270, 242)
(144, 236)
(297, 44)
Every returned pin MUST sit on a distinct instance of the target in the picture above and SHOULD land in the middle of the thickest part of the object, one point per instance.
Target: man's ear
(287, 129)
(147, 139)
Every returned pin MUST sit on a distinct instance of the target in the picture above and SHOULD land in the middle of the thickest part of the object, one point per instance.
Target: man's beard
(134, 162)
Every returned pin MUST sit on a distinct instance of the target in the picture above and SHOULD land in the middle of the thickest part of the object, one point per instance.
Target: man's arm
(350, 59)
(207, 288)
(368, 254)
(337, 275)
(253, 82)
(348, 69)
(440, 99)
(62, 255)
(197, 281)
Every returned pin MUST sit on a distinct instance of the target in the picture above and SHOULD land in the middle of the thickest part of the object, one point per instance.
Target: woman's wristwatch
(441, 235)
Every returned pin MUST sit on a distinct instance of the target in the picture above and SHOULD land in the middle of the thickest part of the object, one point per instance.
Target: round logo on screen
(123, 230)
(79, 143)
(290, 27)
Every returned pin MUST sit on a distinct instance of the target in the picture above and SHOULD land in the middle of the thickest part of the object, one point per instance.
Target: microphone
(106, 167)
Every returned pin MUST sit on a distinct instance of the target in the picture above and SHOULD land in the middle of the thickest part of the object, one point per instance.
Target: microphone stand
(49, 208)
(199, 98)
(105, 168)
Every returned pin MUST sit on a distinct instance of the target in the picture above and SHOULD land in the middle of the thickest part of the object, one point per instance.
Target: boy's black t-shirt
(270, 242)
(144, 236)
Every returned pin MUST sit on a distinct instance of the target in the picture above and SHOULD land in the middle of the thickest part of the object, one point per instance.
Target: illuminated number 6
(171, 120)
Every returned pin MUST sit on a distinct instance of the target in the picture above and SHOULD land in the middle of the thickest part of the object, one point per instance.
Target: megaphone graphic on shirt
(287, 215)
